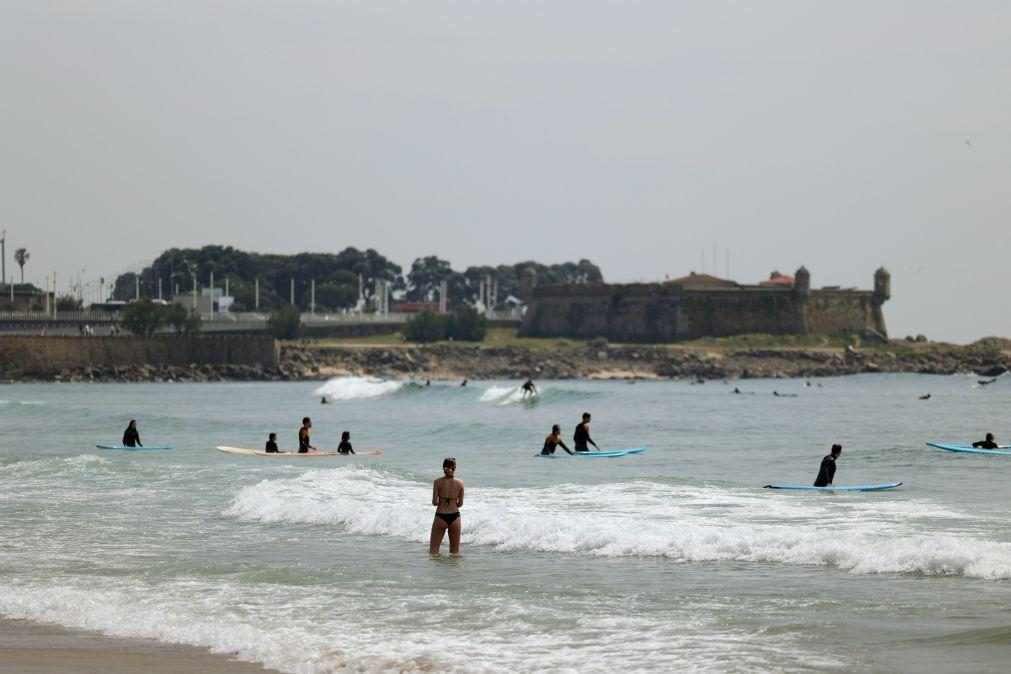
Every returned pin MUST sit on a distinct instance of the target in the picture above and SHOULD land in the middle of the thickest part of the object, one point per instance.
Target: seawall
(44, 357)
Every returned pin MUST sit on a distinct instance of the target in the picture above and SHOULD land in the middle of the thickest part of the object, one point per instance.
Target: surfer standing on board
(827, 471)
(986, 444)
(528, 388)
(303, 437)
(582, 435)
(553, 440)
(131, 438)
(447, 497)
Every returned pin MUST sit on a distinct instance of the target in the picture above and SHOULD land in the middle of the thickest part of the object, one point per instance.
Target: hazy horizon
(841, 136)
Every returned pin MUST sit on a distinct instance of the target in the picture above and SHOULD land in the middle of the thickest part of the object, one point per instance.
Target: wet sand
(32, 648)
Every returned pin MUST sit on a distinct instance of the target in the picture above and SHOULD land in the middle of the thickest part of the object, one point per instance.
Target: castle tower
(882, 285)
(528, 281)
(802, 282)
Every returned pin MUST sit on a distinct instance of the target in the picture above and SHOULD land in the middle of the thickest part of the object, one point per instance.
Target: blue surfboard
(131, 449)
(865, 487)
(592, 455)
(969, 449)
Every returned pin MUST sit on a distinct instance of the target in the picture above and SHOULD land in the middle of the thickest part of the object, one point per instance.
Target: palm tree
(21, 256)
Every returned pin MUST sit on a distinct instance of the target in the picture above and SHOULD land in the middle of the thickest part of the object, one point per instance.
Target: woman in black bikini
(447, 497)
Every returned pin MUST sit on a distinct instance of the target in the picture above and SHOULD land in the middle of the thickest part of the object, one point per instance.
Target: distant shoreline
(308, 360)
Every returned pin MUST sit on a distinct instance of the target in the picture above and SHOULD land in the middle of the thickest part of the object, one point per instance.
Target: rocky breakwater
(987, 357)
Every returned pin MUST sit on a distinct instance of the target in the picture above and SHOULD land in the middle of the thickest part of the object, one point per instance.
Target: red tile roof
(694, 279)
(777, 279)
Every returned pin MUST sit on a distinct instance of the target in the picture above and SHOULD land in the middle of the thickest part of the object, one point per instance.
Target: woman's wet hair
(449, 462)
(132, 422)
(345, 435)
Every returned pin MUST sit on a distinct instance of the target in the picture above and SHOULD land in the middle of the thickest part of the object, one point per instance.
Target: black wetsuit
(580, 438)
(303, 441)
(826, 473)
(271, 447)
(345, 447)
(131, 438)
(550, 445)
(985, 444)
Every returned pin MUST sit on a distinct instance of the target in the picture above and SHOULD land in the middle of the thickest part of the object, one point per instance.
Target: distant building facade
(700, 305)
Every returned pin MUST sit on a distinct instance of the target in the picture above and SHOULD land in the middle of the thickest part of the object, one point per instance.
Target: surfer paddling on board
(345, 446)
(131, 438)
(447, 497)
(553, 440)
(528, 388)
(582, 435)
(303, 437)
(827, 471)
(271, 446)
(989, 443)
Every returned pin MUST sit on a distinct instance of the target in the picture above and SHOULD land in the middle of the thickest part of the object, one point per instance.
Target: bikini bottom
(448, 518)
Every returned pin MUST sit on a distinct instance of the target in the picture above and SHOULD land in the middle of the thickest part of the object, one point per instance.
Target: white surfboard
(260, 452)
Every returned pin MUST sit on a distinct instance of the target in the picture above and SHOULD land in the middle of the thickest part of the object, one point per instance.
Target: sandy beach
(32, 648)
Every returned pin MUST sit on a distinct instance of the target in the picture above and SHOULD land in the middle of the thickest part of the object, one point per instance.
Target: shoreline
(308, 360)
(41, 648)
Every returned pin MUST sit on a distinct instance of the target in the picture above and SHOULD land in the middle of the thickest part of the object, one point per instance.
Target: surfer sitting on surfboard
(271, 446)
(582, 435)
(986, 444)
(553, 440)
(303, 437)
(345, 446)
(131, 438)
(827, 471)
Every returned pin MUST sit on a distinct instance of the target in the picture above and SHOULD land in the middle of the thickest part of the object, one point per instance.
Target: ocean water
(672, 560)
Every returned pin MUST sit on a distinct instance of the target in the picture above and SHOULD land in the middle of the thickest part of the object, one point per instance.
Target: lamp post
(3, 254)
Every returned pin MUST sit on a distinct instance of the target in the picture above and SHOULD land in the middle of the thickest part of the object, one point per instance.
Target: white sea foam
(502, 395)
(689, 524)
(353, 388)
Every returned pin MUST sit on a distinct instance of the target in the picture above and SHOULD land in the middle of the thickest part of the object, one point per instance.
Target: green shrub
(465, 324)
(143, 318)
(286, 323)
(427, 326)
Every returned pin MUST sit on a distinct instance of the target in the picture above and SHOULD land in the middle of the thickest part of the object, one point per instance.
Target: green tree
(143, 318)
(68, 303)
(21, 256)
(465, 324)
(427, 326)
(183, 320)
(286, 322)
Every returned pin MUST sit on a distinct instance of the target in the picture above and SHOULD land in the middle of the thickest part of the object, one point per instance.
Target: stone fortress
(700, 305)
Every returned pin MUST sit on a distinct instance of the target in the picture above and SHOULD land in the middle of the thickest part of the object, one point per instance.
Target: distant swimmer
(463, 383)
(323, 401)
(271, 446)
(582, 435)
(529, 388)
(925, 397)
(131, 438)
(986, 382)
(447, 497)
(737, 390)
(989, 443)
(345, 446)
(784, 395)
(428, 382)
(827, 471)
(303, 437)
(554, 440)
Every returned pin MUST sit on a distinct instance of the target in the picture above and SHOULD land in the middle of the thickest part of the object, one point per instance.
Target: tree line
(339, 277)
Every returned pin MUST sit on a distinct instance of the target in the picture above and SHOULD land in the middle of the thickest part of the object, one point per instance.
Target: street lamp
(3, 255)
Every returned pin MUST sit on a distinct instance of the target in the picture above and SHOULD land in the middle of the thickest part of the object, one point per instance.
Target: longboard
(560, 454)
(867, 487)
(260, 452)
(130, 449)
(969, 449)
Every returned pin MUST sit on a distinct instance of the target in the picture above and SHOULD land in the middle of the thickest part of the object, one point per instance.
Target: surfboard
(866, 487)
(260, 452)
(560, 454)
(969, 449)
(131, 449)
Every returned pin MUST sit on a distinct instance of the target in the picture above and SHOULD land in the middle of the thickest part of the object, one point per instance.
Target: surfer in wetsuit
(529, 388)
(447, 497)
(554, 440)
(986, 444)
(271, 446)
(131, 438)
(303, 437)
(345, 446)
(827, 471)
(323, 401)
(582, 435)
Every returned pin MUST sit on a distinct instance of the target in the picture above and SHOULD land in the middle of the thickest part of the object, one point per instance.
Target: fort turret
(528, 281)
(882, 285)
(802, 282)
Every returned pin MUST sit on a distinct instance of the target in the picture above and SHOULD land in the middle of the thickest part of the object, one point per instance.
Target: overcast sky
(838, 135)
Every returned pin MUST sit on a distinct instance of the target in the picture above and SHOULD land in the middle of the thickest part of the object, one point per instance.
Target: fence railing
(59, 316)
